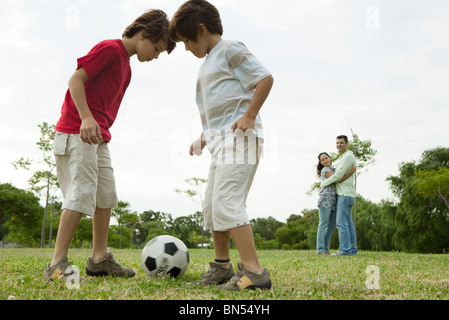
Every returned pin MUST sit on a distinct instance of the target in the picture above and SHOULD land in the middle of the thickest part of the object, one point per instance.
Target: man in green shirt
(345, 198)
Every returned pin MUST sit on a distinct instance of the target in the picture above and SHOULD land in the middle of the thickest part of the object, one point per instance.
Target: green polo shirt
(343, 166)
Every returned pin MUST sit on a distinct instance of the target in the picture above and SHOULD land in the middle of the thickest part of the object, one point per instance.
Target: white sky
(379, 67)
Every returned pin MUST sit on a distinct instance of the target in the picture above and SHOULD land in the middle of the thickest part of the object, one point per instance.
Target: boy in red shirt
(83, 163)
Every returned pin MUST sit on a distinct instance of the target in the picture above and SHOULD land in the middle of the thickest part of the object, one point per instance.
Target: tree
(434, 183)
(83, 232)
(19, 215)
(187, 228)
(151, 229)
(130, 221)
(152, 224)
(121, 213)
(55, 206)
(196, 195)
(266, 227)
(43, 180)
(376, 225)
(299, 232)
(421, 221)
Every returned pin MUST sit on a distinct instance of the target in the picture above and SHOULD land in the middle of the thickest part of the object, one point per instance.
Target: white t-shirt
(225, 88)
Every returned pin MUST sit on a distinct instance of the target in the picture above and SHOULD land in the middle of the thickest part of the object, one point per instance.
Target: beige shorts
(85, 174)
(231, 174)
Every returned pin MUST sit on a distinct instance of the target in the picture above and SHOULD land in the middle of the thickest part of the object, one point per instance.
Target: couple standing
(335, 201)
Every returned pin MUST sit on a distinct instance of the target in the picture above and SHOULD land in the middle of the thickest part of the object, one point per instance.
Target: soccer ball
(164, 255)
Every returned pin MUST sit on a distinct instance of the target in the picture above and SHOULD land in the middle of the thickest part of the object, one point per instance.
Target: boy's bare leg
(221, 244)
(102, 263)
(100, 225)
(244, 241)
(67, 226)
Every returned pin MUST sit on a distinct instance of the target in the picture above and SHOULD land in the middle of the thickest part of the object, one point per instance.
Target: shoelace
(209, 273)
(237, 277)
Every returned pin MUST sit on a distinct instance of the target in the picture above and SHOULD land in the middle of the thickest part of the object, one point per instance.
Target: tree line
(417, 221)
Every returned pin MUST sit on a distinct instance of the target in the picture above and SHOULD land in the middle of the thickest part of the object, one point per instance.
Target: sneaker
(62, 270)
(245, 279)
(217, 274)
(107, 267)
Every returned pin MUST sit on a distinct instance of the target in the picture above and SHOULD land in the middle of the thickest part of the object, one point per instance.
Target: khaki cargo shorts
(85, 174)
(231, 174)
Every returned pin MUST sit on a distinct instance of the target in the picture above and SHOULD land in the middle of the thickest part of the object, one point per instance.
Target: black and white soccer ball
(165, 255)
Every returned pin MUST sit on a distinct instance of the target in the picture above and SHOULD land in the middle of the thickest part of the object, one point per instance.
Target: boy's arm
(344, 166)
(263, 88)
(89, 130)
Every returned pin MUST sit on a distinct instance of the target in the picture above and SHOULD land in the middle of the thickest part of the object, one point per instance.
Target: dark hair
(343, 137)
(155, 23)
(186, 21)
(320, 167)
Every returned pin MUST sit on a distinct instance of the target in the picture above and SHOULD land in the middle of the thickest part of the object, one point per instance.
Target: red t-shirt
(108, 68)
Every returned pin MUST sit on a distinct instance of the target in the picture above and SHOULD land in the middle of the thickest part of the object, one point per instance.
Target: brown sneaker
(217, 274)
(107, 267)
(62, 270)
(245, 279)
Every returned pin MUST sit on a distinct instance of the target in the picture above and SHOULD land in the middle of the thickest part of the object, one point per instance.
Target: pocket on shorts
(60, 143)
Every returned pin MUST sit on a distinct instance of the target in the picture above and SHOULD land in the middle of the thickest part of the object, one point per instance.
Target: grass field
(296, 275)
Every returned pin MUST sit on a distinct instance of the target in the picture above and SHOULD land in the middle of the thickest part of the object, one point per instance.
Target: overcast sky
(379, 67)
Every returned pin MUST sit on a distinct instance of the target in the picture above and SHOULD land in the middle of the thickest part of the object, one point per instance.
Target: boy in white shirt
(231, 88)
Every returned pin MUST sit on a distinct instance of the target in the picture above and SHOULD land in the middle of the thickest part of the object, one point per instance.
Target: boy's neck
(213, 40)
(130, 45)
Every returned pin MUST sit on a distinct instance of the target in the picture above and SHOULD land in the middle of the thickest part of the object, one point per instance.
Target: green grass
(295, 275)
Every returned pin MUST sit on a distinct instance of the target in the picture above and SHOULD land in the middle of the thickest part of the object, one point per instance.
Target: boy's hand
(198, 146)
(90, 131)
(248, 121)
(244, 123)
